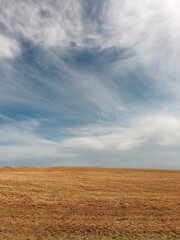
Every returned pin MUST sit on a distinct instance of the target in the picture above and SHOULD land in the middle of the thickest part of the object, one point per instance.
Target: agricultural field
(89, 203)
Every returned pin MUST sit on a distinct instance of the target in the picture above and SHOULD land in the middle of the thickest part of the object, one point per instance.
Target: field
(89, 203)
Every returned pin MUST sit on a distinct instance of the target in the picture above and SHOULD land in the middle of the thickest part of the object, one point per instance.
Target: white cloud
(147, 140)
(159, 129)
(51, 23)
(163, 128)
(121, 142)
(9, 48)
(145, 27)
(149, 31)
(19, 142)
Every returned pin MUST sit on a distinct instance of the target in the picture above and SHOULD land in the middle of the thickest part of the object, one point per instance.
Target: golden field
(89, 203)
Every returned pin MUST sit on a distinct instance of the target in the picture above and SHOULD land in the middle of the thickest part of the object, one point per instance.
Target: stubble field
(89, 203)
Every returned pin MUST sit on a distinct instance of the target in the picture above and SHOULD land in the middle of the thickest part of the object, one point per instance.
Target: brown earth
(89, 203)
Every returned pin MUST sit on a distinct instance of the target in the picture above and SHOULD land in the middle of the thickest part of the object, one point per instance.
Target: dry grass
(89, 203)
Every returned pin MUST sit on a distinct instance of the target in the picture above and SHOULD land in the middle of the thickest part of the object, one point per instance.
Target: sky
(90, 83)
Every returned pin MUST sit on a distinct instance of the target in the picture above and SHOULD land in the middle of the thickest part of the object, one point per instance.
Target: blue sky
(90, 83)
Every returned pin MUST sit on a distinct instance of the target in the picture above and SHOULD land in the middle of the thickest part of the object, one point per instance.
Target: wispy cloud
(158, 134)
(50, 23)
(19, 141)
(9, 47)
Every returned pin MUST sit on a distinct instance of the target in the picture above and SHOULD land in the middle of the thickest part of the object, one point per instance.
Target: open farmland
(89, 203)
